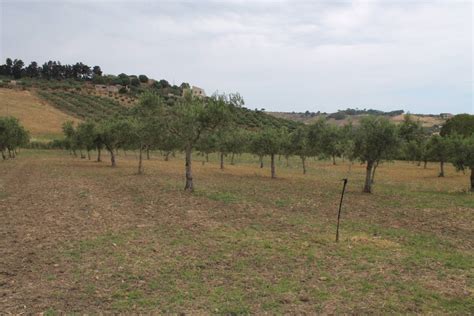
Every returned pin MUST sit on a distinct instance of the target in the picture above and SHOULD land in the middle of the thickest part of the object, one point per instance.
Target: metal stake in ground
(340, 207)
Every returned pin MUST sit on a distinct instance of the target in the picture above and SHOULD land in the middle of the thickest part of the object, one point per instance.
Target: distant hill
(431, 121)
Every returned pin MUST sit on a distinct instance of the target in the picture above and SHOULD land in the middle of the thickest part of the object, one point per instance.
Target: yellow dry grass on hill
(42, 120)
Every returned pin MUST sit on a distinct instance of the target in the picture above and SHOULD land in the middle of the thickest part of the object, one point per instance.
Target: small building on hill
(198, 92)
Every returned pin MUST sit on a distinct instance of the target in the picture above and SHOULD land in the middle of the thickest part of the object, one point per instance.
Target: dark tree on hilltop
(97, 71)
(17, 68)
(32, 70)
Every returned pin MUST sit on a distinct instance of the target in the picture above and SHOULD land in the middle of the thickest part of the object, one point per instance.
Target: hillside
(83, 106)
(428, 121)
(39, 117)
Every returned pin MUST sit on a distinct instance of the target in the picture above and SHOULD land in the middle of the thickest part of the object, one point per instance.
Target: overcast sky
(280, 55)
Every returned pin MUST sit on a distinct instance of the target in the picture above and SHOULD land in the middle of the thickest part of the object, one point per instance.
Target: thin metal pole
(340, 207)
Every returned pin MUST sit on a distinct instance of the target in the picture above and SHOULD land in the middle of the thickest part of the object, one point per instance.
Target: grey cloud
(281, 55)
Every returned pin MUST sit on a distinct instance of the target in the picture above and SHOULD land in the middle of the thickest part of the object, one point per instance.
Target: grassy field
(79, 236)
(41, 119)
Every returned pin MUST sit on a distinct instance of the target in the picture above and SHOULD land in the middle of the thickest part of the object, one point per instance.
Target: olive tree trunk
(441, 169)
(303, 161)
(189, 172)
(222, 160)
(372, 179)
(261, 161)
(472, 179)
(89, 155)
(112, 158)
(273, 166)
(368, 175)
(98, 154)
(147, 152)
(140, 160)
(334, 160)
(232, 159)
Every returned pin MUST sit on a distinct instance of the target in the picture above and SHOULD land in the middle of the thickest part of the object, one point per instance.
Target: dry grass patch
(41, 119)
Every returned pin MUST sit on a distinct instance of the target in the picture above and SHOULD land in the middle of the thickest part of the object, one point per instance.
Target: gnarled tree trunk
(222, 160)
(112, 158)
(368, 175)
(334, 159)
(189, 172)
(147, 152)
(273, 166)
(373, 172)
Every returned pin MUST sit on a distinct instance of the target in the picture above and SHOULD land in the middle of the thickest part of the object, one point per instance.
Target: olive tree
(192, 118)
(147, 125)
(88, 137)
(268, 142)
(438, 149)
(71, 140)
(12, 136)
(114, 133)
(299, 144)
(207, 145)
(375, 140)
(231, 141)
(412, 138)
(462, 155)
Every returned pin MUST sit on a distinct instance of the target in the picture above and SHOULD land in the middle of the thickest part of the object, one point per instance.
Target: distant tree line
(49, 70)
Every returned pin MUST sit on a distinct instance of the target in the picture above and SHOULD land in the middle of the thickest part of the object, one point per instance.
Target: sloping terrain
(38, 116)
(83, 106)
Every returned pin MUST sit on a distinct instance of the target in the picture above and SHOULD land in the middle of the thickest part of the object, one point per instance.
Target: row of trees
(49, 70)
(12, 136)
(207, 125)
